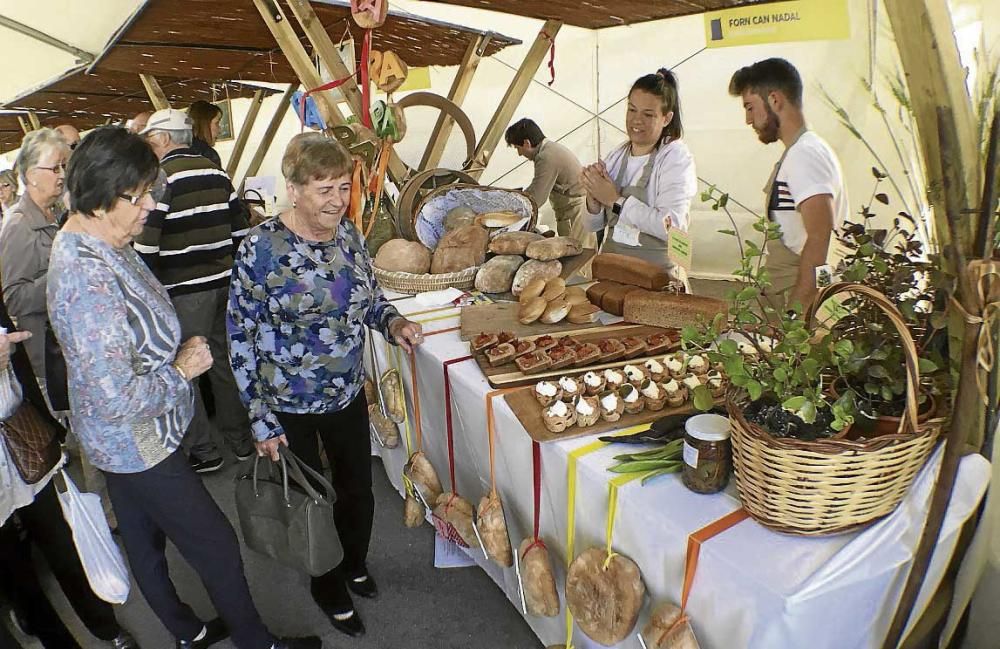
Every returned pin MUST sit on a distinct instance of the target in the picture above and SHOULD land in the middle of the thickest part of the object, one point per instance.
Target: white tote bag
(100, 556)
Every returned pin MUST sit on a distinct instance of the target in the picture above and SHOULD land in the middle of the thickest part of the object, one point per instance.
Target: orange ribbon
(694, 547)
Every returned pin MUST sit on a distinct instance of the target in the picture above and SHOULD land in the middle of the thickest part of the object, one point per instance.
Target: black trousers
(169, 501)
(346, 438)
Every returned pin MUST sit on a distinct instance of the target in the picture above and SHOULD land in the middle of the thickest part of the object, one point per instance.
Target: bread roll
(663, 631)
(456, 510)
(669, 309)
(554, 288)
(423, 476)
(540, 595)
(605, 603)
(630, 270)
(576, 295)
(533, 269)
(497, 275)
(513, 243)
(493, 530)
(459, 249)
(583, 313)
(556, 311)
(534, 289)
(554, 248)
(400, 255)
(531, 310)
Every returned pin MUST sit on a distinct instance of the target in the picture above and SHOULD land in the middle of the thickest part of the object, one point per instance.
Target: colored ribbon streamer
(447, 418)
(331, 85)
(695, 541)
(366, 86)
(613, 486)
(552, 58)
(491, 431)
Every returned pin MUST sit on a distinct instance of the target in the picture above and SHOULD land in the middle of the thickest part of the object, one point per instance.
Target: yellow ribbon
(406, 414)
(985, 277)
(613, 486)
(571, 473)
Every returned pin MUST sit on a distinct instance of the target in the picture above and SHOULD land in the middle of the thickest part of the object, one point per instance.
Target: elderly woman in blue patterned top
(131, 397)
(302, 293)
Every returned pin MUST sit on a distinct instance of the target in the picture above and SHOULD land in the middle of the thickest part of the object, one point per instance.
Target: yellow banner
(779, 22)
(417, 79)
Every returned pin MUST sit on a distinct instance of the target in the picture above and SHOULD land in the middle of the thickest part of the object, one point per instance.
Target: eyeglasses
(56, 169)
(155, 190)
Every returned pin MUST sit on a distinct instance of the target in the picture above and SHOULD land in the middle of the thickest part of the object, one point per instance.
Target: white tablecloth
(754, 588)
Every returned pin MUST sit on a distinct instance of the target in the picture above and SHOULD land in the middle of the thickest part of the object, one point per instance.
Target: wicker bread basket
(427, 224)
(833, 485)
(412, 283)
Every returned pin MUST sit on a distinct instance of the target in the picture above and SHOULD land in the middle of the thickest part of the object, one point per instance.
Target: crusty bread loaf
(595, 292)
(669, 309)
(630, 270)
(613, 301)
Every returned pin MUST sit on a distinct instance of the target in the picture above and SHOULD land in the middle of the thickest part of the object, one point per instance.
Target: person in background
(188, 241)
(26, 238)
(131, 393)
(8, 191)
(301, 297)
(69, 134)
(138, 123)
(557, 179)
(805, 194)
(644, 187)
(205, 119)
(31, 520)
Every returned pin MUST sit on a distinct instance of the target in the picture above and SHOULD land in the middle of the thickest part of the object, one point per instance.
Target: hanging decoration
(369, 14)
(388, 71)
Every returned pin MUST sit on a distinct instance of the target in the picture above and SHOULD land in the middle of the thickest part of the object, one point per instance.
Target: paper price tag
(475, 528)
(626, 235)
(520, 584)
(679, 247)
(690, 456)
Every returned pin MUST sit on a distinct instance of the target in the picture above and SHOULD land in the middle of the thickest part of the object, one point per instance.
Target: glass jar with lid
(707, 454)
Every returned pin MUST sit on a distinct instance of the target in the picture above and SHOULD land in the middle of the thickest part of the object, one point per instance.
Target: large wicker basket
(833, 485)
(428, 218)
(412, 283)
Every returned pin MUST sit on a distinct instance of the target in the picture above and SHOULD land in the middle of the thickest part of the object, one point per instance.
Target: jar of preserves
(707, 454)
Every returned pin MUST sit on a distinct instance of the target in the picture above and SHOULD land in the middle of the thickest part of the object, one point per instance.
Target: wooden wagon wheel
(452, 110)
(418, 187)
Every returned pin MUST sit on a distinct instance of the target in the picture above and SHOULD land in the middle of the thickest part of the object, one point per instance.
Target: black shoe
(363, 586)
(215, 631)
(352, 626)
(305, 642)
(205, 466)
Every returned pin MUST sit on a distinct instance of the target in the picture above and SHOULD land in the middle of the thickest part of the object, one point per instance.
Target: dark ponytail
(663, 84)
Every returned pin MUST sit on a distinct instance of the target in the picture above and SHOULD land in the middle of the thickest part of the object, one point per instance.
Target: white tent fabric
(30, 63)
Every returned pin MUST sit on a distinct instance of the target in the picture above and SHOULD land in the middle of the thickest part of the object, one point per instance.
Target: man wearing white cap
(188, 241)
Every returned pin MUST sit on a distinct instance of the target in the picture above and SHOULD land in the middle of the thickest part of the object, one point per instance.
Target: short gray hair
(182, 137)
(33, 146)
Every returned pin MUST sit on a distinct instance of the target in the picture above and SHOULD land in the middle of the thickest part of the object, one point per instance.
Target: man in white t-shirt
(806, 195)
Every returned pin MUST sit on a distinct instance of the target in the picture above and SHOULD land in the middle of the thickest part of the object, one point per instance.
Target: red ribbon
(447, 418)
(536, 470)
(552, 58)
(366, 90)
(326, 86)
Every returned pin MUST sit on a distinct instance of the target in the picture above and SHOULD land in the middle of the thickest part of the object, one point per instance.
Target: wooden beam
(518, 86)
(34, 121)
(325, 49)
(293, 50)
(459, 89)
(932, 67)
(272, 127)
(155, 92)
(241, 140)
(25, 125)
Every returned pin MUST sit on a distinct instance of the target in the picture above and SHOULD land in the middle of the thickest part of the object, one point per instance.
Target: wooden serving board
(529, 413)
(502, 316)
(509, 375)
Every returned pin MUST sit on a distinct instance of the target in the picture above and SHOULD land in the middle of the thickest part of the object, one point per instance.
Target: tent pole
(33, 120)
(241, 140)
(272, 128)
(512, 98)
(30, 32)
(25, 126)
(459, 89)
(325, 49)
(291, 47)
(155, 92)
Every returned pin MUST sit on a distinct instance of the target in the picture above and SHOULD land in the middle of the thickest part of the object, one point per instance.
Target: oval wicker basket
(412, 283)
(833, 485)
(427, 228)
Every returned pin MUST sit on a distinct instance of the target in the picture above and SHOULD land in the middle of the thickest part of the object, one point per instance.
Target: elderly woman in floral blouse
(302, 293)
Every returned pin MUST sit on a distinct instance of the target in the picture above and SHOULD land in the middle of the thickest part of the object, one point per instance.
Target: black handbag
(289, 520)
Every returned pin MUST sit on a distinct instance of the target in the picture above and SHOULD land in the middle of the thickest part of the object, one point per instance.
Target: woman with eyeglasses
(131, 397)
(27, 234)
(8, 191)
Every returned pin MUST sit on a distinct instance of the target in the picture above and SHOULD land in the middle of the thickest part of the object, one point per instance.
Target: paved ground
(419, 607)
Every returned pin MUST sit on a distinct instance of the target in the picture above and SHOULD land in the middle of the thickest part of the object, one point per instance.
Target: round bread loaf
(531, 310)
(532, 269)
(400, 255)
(497, 275)
(459, 216)
(534, 289)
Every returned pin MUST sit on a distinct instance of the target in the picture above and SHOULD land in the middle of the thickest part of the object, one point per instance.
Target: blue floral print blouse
(296, 322)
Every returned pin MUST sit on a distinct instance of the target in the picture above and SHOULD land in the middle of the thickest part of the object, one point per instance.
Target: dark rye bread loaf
(669, 309)
(630, 270)
(595, 292)
(614, 300)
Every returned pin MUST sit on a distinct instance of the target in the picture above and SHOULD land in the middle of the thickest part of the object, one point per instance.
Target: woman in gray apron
(645, 186)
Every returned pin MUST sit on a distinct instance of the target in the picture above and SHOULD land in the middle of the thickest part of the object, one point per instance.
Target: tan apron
(570, 216)
(782, 263)
(650, 248)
